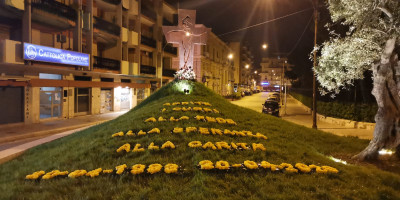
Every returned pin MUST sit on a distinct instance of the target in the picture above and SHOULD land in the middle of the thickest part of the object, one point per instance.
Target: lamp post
(314, 102)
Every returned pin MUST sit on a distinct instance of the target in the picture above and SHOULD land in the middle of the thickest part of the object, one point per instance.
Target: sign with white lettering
(47, 54)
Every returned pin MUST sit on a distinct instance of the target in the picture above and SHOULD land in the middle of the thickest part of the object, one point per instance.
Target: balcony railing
(115, 2)
(148, 12)
(106, 63)
(148, 41)
(145, 69)
(56, 8)
(170, 49)
(168, 72)
(106, 26)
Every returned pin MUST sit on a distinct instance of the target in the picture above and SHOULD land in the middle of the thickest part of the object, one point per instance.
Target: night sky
(282, 35)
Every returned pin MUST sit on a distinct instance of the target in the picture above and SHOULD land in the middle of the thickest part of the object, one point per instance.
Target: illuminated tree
(370, 44)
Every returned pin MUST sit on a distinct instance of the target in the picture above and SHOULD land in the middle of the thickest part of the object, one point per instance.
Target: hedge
(355, 112)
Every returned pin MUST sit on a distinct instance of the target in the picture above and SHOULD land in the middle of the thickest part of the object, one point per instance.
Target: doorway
(50, 102)
(125, 98)
(82, 101)
(106, 100)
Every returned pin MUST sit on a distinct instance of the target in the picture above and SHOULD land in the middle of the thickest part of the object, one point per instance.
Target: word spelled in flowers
(264, 165)
(196, 109)
(130, 133)
(138, 147)
(225, 145)
(169, 168)
(215, 131)
(187, 103)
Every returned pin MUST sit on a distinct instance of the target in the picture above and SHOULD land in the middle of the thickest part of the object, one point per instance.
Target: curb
(341, 122)
(46, 132)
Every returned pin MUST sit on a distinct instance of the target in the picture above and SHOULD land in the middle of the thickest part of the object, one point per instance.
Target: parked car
(271, 107)
(276, 95)
(248, 92)
(273, 99)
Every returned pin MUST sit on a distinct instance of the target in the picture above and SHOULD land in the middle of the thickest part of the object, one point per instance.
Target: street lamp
(230, 56)
(247, 66)
(264, 46)
(255, 72)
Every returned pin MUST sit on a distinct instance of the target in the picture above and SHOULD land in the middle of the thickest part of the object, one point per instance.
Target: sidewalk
(16, 132)
(295, 113)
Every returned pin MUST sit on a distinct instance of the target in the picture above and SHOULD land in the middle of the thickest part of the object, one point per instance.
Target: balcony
(145, 69)
(148, 41)
(170, 49)
(55, 8)
(106, 26)
(148, 12)
(106, 64)
(168, 72)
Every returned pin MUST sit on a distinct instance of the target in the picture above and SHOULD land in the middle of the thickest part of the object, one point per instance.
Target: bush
(355, 112)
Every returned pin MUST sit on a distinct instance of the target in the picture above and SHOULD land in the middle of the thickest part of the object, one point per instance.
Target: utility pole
(314, 104)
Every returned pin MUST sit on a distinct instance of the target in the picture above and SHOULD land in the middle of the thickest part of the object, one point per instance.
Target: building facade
(121, 40)
(243, 64)
(272, 72)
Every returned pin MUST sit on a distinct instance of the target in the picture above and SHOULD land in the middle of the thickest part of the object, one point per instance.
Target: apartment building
(217, 70)
(243, 64)
(65, 58)
(272, 72)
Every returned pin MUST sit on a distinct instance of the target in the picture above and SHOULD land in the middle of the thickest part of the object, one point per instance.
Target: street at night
(200, 99)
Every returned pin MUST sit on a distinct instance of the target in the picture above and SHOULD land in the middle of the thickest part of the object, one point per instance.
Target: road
(297, 114)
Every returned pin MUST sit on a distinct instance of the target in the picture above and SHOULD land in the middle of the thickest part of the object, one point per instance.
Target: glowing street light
(187, 34)
(247, 66)
(264, 46)
(255, 72)
(230, 56)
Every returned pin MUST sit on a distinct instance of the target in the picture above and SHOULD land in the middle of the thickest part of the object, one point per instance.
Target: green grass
(287, 142)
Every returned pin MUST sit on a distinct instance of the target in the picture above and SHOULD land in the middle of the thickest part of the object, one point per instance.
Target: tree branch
(387, 12)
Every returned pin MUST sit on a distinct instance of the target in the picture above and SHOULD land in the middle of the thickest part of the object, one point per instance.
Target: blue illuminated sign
(265, 83)
(47, 54)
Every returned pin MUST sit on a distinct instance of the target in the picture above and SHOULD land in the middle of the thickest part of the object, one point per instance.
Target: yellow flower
(209, 145)
(200, 118)
(177, 109)
(184, 118)
(154, 130)
(195, 144)
(126, 147)
(163, 110)
(204, 131)
(330, 169)
(177, 130)
(168, 144)
(303, 167)
(35, 175)
(248, 133)
(291, 170)
(171, 168)
(250, 164)
(120, 168)
(206, 104)
(191, 102)
(141, 133)
(206, 164)
(166, 104)
(137, 148)
(215, 131)
(274, 167)
(184, 109)
(185, 103)
(220, 120)
(215, 111)
(207, 110)
(154, 168)
(198, 109)
(161, 119)
(221, 145)
(107, 171)
(233, 145)
(242, 145)
(138, 169)
(151, 119)
(228, 132)
(265, 165)
(198, 103)
(286, 165)
(53, 174)
(130, 133)
(94, 173)
(223, 165)
(176, 103)
(210, 119)
(77, 173)
(258, 146)
(172, 119)
(230, 121)
(261, 136)
(119, 134)
(153, 147)
(191, 129)
(239, 133)
(237, 165)
(189, 109)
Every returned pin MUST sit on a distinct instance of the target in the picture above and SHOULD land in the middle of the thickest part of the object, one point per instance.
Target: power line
(265, 22)
(298, 41)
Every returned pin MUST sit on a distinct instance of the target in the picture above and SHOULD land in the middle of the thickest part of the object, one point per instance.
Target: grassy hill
(286, 143)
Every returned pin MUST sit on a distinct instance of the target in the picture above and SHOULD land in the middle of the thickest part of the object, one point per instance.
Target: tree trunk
(386, 76)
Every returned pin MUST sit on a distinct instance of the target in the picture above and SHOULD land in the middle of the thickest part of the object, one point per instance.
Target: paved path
(297, 114)
(17, 138)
